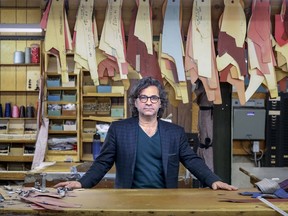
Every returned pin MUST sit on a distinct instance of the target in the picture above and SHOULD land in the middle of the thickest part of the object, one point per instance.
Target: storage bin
(56, 127)
(69, 126)
(89, 89)
(104, 89)
(54, 109)
(89, 106)
(69, 96)
(4, 126)
(55, 82)
(117, 89)
(16, 126)
(69, 110)
(16, 150)
(117, 111)
(70, 83)
(54, 96)
(54, 112)
(103, 106)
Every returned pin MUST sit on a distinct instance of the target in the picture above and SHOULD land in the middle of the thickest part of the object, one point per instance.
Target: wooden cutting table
(150, 202)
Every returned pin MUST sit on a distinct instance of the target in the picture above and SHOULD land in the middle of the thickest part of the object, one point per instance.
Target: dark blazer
(120, 147)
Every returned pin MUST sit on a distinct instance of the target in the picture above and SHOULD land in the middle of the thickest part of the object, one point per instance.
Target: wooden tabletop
(150, 202)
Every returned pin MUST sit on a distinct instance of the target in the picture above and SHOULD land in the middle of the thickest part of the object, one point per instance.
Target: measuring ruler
(271, 205)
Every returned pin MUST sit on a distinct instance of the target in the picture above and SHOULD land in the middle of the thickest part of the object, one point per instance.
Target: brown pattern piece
(149, 65)
(227, 44)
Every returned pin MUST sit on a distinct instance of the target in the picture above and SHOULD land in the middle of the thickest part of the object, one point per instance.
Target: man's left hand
(223, 186)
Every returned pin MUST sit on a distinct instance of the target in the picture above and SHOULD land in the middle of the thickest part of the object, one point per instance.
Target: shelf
(61, 102)
(20, 65)
(24, 91)
(63, 117)
(102, 118)
(61, 88)
(87, 140)
(55, 152)
(61, 132)
(103, 95)
(57, 74)
(18, 141)
(12, 175)
(87, 157)
(6, 118)
(10, 158)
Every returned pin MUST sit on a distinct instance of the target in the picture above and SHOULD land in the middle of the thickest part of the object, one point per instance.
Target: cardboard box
(16, 150)
(69, 112)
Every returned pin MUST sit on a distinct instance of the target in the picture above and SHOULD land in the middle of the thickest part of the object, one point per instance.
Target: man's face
(148, 102)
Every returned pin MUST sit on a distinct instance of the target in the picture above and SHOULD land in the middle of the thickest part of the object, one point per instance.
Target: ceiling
(128, 5)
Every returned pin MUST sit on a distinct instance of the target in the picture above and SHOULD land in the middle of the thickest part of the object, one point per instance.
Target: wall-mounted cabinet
(62, 110)
(100, 105)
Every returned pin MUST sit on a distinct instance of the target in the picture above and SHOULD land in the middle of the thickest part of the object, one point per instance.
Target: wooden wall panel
(20, 76)
(8, 81)
(21, 99)
(7, 49)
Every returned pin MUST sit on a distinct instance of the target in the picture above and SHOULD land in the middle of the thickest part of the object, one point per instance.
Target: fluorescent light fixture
(20, 28)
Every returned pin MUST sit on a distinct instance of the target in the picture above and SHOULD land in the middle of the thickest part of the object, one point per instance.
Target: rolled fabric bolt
(8, 110)
(15, 112)
(27, 55)
(19, 57)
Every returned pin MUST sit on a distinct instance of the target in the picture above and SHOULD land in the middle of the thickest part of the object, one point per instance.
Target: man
(145, 149)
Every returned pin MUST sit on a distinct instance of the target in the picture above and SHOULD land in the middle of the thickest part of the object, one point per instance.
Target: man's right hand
(69, 185)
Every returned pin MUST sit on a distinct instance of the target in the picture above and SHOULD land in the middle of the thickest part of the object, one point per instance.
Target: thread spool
(1, 111)
(27, 55)
(22, 112)
(15, 112)
(19, 57)
(30, 112)
(7, 110)
(35, 53)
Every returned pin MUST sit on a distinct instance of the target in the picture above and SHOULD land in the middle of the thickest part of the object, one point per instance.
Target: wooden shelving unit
(64, 124)
(18, 87)
(98, 107)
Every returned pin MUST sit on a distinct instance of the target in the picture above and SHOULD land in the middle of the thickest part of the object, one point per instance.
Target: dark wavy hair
(143, 84)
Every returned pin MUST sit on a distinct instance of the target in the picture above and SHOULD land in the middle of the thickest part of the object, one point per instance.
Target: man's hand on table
(69, 185)
(224, 186)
